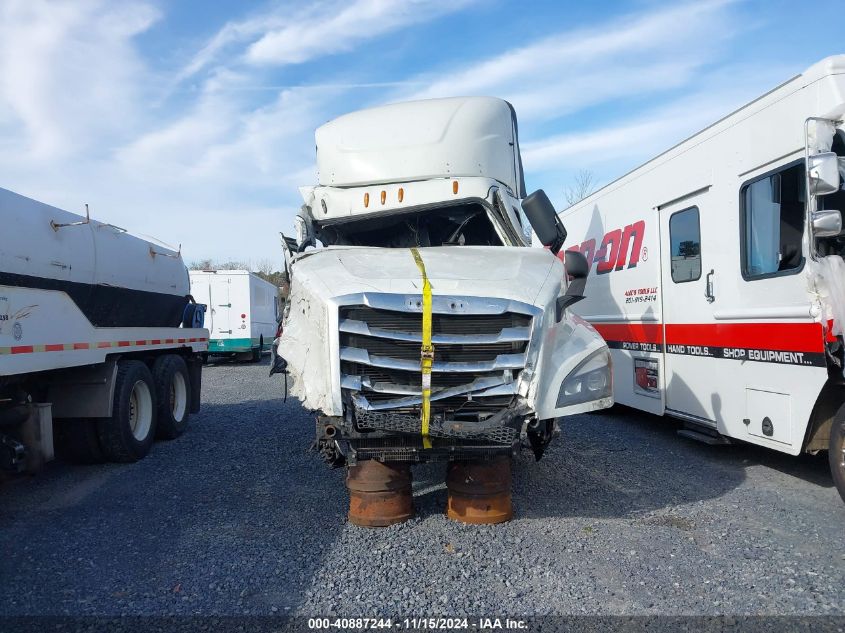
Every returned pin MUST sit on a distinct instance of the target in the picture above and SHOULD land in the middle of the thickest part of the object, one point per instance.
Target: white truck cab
(425, 327)
(716, 273)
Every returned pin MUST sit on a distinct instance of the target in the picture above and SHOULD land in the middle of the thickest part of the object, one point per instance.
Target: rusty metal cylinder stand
(480, 492)
(379, 493)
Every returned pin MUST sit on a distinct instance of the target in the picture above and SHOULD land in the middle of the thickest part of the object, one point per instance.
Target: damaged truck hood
(515, 273)
(324, 279)
(474, 280)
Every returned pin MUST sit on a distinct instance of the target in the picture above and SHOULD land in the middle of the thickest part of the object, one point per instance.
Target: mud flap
(195, 377)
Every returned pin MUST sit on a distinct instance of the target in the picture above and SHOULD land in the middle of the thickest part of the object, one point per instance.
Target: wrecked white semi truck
(425, 327)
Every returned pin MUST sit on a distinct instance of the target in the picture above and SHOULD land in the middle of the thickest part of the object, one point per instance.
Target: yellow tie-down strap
(426, 351)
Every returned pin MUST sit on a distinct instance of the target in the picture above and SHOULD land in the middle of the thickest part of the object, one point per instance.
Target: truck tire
(836, 451)
(173, 394)
(129, 433)
(76, 441)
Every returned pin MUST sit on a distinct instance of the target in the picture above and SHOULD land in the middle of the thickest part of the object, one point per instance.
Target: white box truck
(425, 327)
(716, 273)
(243, 311)
(99, 339)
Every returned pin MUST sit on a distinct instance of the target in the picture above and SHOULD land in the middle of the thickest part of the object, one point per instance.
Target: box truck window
(685, 237)
(773, 223)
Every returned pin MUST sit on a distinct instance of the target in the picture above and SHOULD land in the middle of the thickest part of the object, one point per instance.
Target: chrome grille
(477, 360)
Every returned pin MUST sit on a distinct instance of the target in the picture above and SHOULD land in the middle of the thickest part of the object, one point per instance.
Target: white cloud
(70, 78)
(293, 33)
(568, 70)
(215, 166)
(335, 27)
(713, 96)
(612, 147)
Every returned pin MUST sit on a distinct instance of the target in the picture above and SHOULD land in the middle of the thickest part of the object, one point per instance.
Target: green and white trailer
(242, 311)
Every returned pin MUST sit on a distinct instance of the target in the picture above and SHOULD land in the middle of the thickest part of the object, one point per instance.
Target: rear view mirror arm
(573, 295)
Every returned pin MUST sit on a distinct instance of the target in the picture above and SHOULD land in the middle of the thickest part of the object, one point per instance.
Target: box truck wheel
(173, 393)
(836, 451)
(128, 434)
(76, 441)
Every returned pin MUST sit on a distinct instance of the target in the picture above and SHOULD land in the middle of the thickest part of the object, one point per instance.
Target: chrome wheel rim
(140, 410)
(178, 397)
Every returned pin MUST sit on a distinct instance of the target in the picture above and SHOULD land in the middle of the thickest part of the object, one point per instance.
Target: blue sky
(193, 121)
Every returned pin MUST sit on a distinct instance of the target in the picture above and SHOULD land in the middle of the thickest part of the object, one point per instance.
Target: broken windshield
(464, 224)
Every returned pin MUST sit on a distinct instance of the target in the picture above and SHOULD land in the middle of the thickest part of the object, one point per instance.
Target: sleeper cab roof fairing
(419, 140)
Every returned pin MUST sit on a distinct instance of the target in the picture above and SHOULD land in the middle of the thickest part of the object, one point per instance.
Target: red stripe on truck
(788, 337)
(60, 347)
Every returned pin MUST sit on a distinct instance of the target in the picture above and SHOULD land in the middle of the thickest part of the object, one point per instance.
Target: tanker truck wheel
(129, 433)
(836, 452)
(173, 393)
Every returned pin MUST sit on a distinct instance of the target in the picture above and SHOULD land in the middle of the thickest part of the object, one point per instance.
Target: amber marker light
(366, 200)
(383, 197)
(401, 194)
(455, 187)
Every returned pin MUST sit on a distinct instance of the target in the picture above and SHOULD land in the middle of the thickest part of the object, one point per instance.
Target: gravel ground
(622, 516)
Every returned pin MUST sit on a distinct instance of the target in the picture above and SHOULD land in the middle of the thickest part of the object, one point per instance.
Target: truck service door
(688, 280)
(220, 303)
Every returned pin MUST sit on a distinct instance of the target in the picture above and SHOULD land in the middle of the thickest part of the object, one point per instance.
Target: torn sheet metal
(478, 387)
(304, 345)
(828, 284)
(820, 135)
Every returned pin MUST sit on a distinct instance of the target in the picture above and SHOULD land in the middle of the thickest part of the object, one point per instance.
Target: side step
(705, 435)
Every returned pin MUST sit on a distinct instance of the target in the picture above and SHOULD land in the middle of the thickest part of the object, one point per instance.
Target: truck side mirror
(576, 265)
(543, 218)
(577, 268)
(827, 223)
(824, 173)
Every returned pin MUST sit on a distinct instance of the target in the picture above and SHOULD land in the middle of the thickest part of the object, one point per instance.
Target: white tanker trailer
(99, 339)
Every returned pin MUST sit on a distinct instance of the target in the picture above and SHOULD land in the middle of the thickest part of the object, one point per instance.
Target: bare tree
(203, 264)
(265, 267)
(233, 265)
(582, 186)
(210, 264)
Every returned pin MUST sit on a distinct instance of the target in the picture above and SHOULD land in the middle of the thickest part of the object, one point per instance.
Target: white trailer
(718, 282)
(243, 310)
(93, 338)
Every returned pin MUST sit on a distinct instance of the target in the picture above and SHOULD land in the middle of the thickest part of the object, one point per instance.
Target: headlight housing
(592, 379)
